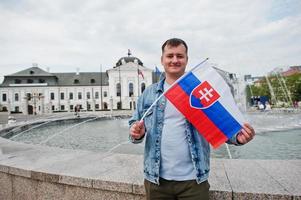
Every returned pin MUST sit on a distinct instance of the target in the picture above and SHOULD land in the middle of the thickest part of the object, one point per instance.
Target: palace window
(79, 95)
(17, 81)
(4, 97)
(131, 89)
(96, 95)
(52, 95)
(118, 90)
(16, 97)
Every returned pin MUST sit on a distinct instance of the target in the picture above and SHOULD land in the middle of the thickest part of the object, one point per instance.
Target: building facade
(35, 91)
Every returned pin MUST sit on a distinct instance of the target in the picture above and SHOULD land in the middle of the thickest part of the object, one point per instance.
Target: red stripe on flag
(197, 117)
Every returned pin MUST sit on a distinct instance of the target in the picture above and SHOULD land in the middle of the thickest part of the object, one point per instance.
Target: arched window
(16, 97)
(131, 89)
(96, 95)
(52, 95)
(76, 81)
(118, 90)
(4, 97)
(142, 87)
(79, 95)
(88, 95)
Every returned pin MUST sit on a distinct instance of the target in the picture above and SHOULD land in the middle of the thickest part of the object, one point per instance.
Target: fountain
(76, 133)
(273, 96)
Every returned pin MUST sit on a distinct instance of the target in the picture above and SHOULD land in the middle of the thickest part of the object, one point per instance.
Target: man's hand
(246, 134)
(137, 131)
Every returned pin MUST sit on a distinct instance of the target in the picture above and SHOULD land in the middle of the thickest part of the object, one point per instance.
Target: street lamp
(34, 96)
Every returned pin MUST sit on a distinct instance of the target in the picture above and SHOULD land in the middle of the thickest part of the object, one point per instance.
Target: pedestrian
(176, 156)
(77, 109)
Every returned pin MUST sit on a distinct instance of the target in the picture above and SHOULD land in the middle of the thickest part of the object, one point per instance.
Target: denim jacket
(153, 121)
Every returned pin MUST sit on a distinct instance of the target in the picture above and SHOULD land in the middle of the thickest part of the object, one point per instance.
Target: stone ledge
(35, 171)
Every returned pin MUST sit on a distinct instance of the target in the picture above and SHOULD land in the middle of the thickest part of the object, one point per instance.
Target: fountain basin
(278, 136)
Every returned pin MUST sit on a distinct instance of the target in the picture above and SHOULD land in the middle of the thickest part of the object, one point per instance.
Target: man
(176, 156)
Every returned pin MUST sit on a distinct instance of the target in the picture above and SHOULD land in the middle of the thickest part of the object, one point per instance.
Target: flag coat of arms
(205, 99)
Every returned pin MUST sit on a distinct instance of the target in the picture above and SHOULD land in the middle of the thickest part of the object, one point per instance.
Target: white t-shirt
(176, 162)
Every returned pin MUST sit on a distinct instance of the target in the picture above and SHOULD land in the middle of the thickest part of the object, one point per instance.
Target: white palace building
(35, 91)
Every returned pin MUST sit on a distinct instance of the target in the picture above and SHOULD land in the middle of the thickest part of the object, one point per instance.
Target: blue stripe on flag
(189, 82)
(216, 112)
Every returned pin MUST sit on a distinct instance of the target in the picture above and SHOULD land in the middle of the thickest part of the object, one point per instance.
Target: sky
(239, 36)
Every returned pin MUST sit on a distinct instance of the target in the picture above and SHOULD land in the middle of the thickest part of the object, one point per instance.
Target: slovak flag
(205, 99)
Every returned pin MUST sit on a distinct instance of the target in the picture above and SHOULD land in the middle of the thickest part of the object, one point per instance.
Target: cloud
(246, 37)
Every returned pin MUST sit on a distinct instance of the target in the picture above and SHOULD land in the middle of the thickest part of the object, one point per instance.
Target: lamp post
(35, 96)
(8, 106)
(25, 106)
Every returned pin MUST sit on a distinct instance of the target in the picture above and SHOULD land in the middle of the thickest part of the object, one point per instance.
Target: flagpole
(138, 80)
(101, 100)
(179, 79)
(120, 87)
(228, 150)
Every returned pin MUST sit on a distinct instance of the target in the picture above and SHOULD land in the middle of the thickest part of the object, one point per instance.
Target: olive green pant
(177, 190)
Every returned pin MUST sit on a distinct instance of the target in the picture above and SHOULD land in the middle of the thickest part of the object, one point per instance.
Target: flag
(140, 73)
(157, 71)
(205, 99)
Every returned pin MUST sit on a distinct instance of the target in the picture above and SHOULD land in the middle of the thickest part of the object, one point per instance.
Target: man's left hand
(246, 134)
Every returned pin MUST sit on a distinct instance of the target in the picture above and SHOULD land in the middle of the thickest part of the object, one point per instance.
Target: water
(278, 137)
(98, 135)
(283, 145)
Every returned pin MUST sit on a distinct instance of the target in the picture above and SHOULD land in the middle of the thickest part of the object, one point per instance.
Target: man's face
(174, 60)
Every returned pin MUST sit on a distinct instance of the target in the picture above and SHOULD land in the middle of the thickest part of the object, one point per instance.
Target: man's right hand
(137, 131)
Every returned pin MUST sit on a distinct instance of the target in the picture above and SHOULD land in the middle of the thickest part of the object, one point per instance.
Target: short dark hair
(174, 42)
